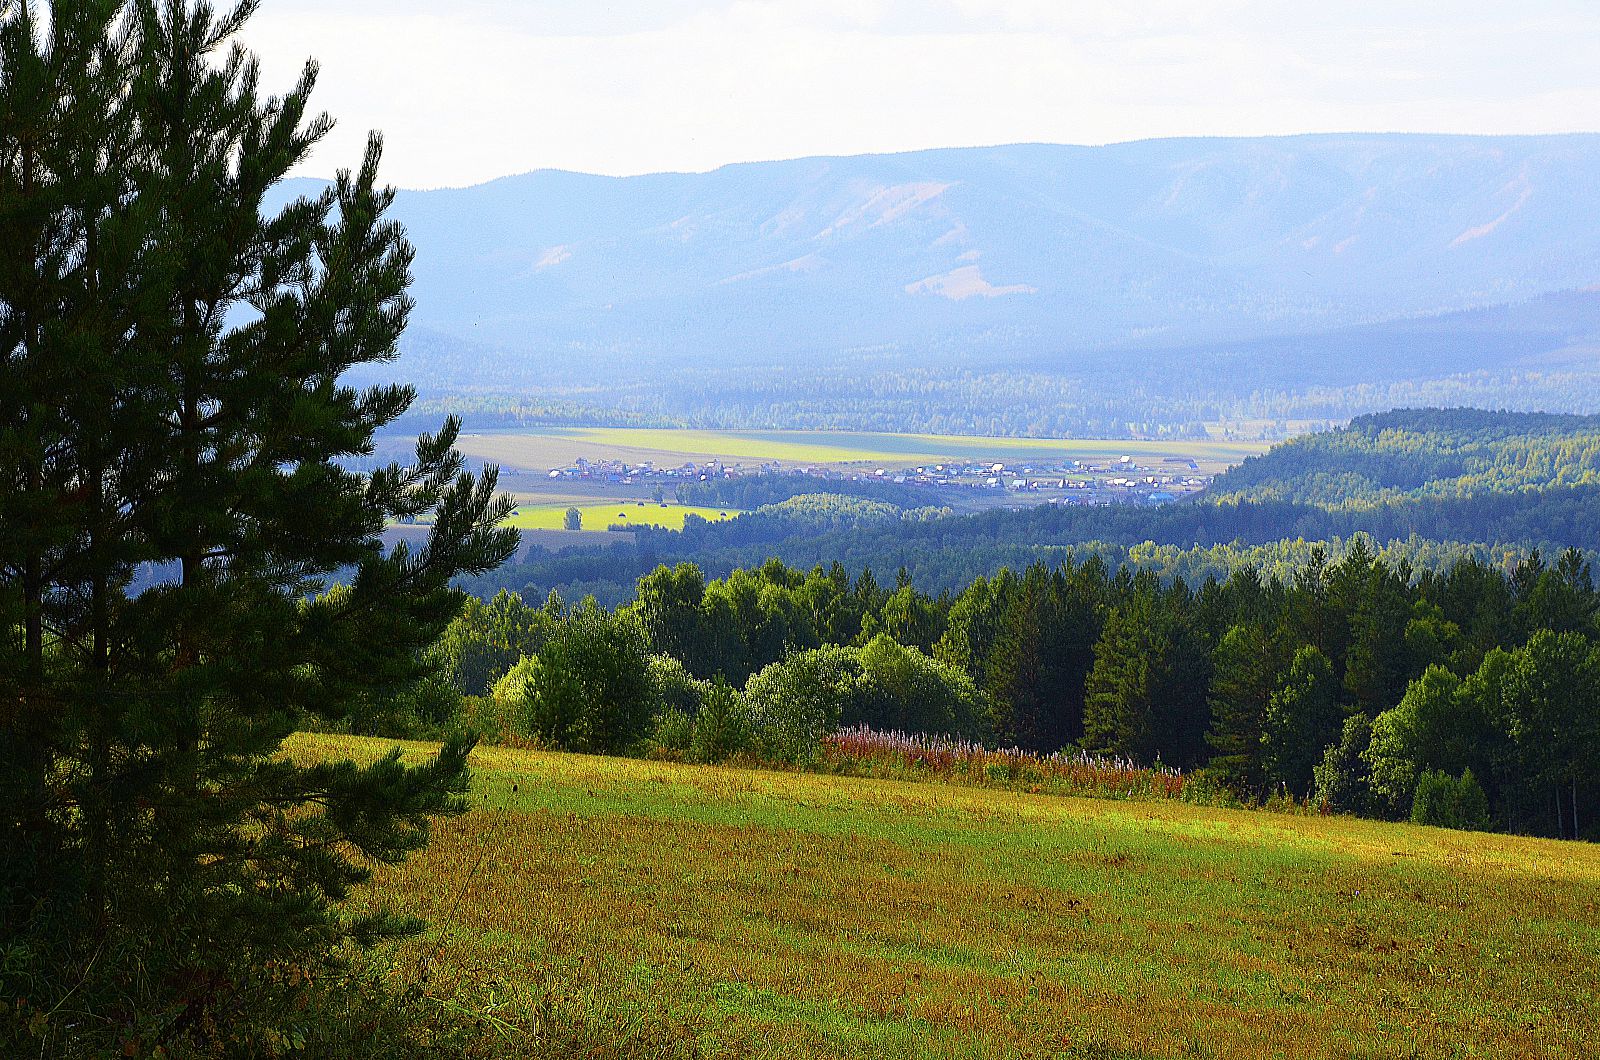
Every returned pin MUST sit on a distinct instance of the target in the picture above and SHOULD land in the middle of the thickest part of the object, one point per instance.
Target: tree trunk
(102, 551)
(33, 594)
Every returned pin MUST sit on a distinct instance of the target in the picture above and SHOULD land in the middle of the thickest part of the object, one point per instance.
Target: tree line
(946, 553)
(1465, 695)
(1424, 454)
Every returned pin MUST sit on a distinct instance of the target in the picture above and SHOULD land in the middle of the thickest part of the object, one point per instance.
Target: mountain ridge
(971, 257)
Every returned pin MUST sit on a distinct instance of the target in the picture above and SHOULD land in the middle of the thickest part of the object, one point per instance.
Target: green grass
(602, 516)
(556, 446)
(614, 907)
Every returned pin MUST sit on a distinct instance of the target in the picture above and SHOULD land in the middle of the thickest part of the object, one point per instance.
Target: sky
(469, 90)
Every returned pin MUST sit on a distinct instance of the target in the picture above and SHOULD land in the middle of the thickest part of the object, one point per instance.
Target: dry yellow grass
(643, 908)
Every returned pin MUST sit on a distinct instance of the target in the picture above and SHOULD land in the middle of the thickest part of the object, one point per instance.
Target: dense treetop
(1466, 695)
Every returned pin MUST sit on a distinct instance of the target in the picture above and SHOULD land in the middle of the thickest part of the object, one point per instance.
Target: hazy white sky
(469, 90)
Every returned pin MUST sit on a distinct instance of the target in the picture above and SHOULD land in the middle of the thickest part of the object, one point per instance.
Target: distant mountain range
(1053, 256)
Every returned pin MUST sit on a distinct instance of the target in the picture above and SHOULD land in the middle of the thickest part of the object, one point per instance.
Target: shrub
(513, 685)
(588, 689)
(1209, 787)
(1450, 802)
(489, 718)
(862, 751)
(433, 702)
(903, 689)
(793, 704)
(427, 709)
(674, 731)
(674, 687)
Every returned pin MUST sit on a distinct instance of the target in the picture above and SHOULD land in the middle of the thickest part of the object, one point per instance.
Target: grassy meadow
(557, 446)
(616, 907)
(601, 516)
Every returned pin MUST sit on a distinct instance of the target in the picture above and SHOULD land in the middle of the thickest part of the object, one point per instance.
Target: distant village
(1114, 481)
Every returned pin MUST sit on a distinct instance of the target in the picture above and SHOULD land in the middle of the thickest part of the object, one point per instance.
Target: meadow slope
(615, 907)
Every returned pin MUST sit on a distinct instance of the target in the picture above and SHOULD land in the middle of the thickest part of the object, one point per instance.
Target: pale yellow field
(602, 516)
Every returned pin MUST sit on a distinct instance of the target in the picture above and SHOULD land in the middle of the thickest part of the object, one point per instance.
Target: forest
(1467, 696)
(1394, 619)
(1424, 455)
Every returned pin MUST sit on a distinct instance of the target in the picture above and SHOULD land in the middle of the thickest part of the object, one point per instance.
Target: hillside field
(550, 447)
(616, 907)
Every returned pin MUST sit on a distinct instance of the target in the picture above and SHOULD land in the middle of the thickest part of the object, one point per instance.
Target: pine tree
(1146, 694)
(57, 97)
(172, 356)
(1376, 607)
(1561, 598)
(1246, 670)
(1040, 658)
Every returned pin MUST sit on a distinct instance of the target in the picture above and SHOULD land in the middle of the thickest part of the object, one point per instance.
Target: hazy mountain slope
(1552, 332)
(1010, 250)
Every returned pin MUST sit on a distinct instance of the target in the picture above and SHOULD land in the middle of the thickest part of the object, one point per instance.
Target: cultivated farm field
(617, 907)
(622, 512)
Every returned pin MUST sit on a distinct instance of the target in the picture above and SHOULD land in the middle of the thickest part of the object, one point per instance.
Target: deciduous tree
(1303, 719)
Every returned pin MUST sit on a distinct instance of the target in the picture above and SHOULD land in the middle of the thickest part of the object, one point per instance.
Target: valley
(662, 473)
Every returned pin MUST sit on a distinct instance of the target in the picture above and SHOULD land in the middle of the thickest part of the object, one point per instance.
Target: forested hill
(1414, 454)
(1441, 483)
